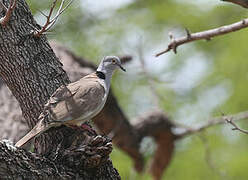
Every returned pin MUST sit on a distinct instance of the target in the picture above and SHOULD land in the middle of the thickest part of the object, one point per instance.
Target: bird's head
(109, 64)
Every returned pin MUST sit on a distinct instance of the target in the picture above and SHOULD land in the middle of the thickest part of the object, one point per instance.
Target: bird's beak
(122, 68)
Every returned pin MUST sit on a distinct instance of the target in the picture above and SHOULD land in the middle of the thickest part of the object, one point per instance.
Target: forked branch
(235, 126)
(50, 22)
(4, 20)
(215, 121)
(207, 35)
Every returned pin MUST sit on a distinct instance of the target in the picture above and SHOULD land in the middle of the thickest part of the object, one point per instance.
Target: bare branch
(207, 35)
(60, 11)
(70, 163)
(235, 126)
(43, 29)
(4, 20)
(50, 22)
(213, 122)
(4, 7)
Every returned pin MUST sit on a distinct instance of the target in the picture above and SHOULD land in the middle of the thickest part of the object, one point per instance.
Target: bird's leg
(86, 126)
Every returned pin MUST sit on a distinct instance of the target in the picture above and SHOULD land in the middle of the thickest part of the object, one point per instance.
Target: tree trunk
(32, 72)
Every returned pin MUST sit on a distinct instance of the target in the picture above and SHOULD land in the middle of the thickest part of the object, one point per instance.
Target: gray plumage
(77, 102)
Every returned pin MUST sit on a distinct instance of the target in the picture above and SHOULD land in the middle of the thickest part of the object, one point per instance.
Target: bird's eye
(114, 61)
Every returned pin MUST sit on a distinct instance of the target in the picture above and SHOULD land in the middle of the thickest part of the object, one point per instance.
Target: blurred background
(202, 80)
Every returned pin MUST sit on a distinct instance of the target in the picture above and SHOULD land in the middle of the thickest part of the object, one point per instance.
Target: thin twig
(207, 35)
(60, 11)
(43, 29)
(4, 7)
(4, 20)
(235, 126)
(213, 122)
(50, 22)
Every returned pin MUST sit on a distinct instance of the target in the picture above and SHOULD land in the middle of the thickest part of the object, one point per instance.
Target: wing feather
(74, 101)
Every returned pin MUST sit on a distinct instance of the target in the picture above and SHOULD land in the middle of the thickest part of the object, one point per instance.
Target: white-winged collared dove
(77, 102)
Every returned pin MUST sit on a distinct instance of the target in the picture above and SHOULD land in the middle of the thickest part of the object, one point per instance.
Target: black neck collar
(100, 74)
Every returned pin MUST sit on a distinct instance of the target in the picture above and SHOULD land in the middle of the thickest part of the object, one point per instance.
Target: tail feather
(38, 129)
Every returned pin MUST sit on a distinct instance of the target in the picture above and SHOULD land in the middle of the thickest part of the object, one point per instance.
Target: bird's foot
(86, 126)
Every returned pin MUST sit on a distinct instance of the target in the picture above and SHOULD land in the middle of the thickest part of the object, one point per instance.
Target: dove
(77, 102)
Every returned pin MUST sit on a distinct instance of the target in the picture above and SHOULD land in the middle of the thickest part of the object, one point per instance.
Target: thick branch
(243, 3)
(80, 161)
(207, 35)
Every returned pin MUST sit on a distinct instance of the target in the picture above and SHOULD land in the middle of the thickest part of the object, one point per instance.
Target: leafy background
(202, 80)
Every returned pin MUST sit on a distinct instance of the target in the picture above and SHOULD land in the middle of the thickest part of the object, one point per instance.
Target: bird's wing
(67, 104)
(63, 92)
(72, 101)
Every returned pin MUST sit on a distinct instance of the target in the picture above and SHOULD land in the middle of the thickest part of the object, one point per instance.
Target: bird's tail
(33, 133)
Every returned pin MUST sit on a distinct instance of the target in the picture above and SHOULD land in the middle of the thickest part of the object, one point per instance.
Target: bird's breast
(93, 112)
(98, 109)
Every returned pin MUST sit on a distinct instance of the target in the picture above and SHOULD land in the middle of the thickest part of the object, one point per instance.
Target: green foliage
(203, 79)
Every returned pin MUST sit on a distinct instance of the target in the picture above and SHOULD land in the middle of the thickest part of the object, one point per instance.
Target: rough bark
(32, 72)
(84, 161)
(29, 67)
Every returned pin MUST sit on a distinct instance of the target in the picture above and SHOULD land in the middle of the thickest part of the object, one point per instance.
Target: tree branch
(243, 3)
(4, 20)
(207, 35)
(86, 161)
(213, 122)
(50, 22)
(235, 126)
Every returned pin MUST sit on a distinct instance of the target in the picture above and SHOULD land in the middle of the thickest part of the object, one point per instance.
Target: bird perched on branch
(77, 102)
